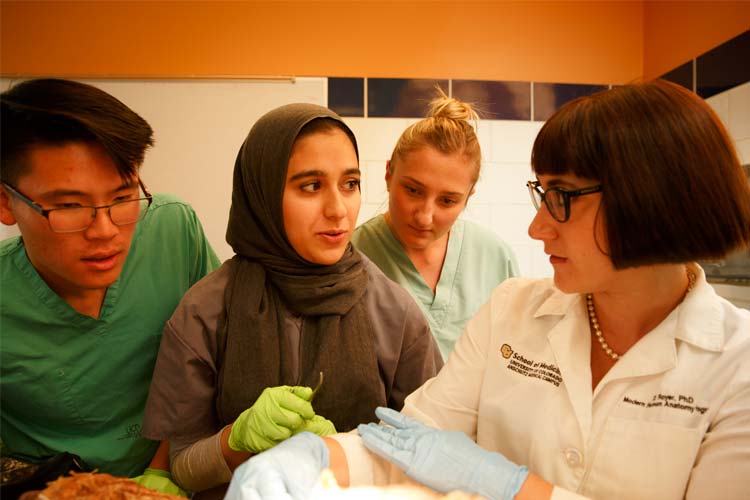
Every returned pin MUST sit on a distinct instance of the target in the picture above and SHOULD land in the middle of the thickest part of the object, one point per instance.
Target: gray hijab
(270, 277)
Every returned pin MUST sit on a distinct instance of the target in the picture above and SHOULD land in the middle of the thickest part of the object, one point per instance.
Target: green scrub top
(476, 262)
(78, 384)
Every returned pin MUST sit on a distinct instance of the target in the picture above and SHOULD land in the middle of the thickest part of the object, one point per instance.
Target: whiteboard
(199, 126)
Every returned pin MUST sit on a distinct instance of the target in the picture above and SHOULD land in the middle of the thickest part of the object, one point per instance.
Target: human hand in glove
(159, 480)
(317, 425)
(277, 414)
(443, 460)
(287, 472)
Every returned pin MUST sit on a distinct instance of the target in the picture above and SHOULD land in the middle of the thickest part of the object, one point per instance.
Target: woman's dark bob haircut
(674, 190)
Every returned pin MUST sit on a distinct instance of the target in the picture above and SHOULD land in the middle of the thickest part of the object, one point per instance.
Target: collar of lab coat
(701, 315)
(698, 320)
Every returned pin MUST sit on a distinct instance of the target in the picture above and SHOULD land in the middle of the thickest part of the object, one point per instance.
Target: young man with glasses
(86, 289)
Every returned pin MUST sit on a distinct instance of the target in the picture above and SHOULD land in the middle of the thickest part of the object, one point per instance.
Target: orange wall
(675, 32)
(542, 41)
(581, 42)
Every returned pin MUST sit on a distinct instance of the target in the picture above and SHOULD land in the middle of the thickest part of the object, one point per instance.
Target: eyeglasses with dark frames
(75, 219)
(557, 200)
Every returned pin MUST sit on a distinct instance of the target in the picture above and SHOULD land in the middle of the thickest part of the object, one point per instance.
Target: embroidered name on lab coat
(676, 401)
(529, 368)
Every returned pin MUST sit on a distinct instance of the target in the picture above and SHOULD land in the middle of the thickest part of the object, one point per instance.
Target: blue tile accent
(681, 75)
(548, 97)
(346, 96)
(724, 67)
(495, 100)
(401, 97)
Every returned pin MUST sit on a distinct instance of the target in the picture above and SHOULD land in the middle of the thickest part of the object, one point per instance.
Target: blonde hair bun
(451, 108)
(447, 129)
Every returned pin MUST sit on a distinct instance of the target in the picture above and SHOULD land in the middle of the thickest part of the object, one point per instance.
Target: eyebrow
(560, 183)
(72, 192)
(320, 173)
(442, 193)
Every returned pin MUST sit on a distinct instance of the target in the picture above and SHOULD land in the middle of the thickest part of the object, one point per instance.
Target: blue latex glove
(287, 471)
(159, 480)
(445, 461)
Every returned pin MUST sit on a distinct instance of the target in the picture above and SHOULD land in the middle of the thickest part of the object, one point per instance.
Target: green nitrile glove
(274, 416)
(317, 425)
(159, 480)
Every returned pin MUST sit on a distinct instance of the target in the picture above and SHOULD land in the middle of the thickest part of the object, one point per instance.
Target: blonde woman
(450, 266)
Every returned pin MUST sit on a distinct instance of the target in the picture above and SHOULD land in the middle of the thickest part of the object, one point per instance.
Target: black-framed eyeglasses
(557, 200)
(75, 219)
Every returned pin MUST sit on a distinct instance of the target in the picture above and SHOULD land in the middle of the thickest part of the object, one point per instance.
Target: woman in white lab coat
(625, 376)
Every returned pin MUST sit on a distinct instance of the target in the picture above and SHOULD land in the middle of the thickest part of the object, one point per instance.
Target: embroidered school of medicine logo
(506, 351)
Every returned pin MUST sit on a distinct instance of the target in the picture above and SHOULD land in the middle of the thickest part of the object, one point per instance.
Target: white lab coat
(670, 420)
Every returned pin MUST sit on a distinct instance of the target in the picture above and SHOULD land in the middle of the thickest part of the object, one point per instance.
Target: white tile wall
(511, 141)
(733, 108)
(501, 201)
(8, 231)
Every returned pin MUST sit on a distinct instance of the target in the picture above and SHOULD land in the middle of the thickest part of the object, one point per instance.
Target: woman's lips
(554, 259)
(333, 237)
(421, 232)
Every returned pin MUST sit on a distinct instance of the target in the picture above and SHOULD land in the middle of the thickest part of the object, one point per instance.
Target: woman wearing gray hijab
(241, 353)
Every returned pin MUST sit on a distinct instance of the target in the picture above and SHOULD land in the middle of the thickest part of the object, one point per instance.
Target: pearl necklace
(595, 322)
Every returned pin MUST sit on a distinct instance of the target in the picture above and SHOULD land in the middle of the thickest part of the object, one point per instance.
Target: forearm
(337, 462)
(161, 457)
(201, 465)
(358, 466)
(232, 458)
(534, 488)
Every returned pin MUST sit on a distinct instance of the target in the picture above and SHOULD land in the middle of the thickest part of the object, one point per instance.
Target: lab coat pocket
(644, 459)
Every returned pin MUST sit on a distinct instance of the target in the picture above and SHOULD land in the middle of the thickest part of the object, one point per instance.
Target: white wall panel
(512, 140)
